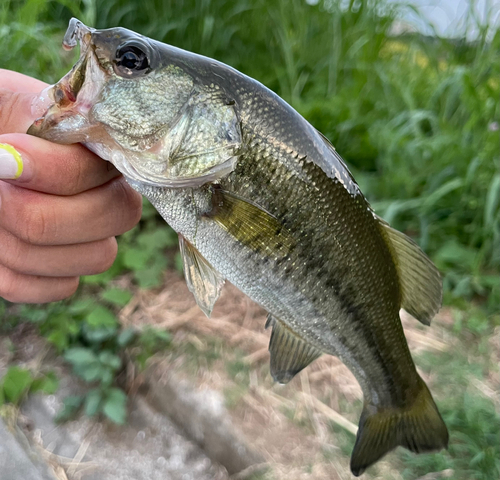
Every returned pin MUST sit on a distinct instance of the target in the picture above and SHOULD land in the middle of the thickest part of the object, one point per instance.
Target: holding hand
(60, 205)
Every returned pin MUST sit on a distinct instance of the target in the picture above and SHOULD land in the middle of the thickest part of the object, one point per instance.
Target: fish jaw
(67, 119)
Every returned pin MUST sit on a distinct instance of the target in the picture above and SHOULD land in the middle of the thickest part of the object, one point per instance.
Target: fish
(262, 199)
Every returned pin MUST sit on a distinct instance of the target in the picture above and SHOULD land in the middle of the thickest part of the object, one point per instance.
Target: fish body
(262, 199)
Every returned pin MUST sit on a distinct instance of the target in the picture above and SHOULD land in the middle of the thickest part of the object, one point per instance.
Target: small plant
(18, 382)
(89, 337)
(148, 342)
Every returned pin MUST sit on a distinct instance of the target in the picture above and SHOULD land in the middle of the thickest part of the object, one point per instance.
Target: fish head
(143, 106)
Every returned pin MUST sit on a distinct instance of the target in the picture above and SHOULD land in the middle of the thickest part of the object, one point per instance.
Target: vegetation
(18, 382)
(415, 118)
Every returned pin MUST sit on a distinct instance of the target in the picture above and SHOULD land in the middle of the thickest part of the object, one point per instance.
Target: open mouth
(66, 90)
(65, 120)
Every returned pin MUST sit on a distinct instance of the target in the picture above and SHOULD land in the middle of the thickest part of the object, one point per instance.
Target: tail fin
(419, 428)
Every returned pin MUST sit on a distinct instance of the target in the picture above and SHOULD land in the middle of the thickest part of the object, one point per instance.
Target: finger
(57, 261)
(16, 114)
(17, 95)
(51, 168)
(17, 82)
(18, 288)
(42, 219)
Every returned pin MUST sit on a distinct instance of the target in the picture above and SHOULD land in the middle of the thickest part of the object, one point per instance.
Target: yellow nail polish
(11, 163)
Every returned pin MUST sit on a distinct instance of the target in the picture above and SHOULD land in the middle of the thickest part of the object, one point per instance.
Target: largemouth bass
(260, 198)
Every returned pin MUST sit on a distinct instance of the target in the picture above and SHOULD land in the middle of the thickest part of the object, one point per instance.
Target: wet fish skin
(260, 198)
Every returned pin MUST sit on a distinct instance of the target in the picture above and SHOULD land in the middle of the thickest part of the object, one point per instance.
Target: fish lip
(65, 93)
(77, 32)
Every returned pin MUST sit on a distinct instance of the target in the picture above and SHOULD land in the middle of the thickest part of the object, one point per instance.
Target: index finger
(57, 169)
(46, 167)
(18, 82)
(18, 93)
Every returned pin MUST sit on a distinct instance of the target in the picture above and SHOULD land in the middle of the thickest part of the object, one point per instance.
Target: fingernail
(11, 163)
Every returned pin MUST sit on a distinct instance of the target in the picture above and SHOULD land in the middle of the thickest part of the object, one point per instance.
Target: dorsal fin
(420, 281)
(289, 353)
(202, 279)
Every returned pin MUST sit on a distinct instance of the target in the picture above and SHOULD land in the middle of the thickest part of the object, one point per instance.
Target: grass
(472, 419)
(416, 119)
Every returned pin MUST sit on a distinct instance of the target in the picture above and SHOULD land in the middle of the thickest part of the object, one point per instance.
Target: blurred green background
(415, 117)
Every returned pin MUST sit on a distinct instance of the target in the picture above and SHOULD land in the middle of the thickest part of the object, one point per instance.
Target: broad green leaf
(135, 258)
(80, 356)
(152, 275)
(92, 372)
(48, 383)
(92, 402)
(158, 239)
(148, 278)
(59, 339)
(115, 406)
(34, 314)
(452, 253)
(117, 296)
(98, 335)
(16, 382)
(109, 359)
(125, 337)
(101, 317)
(107, 376)
(81, 306)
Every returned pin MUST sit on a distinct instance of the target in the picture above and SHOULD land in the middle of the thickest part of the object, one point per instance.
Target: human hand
(61, 206)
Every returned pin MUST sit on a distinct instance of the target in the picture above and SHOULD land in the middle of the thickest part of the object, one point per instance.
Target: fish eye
(130, 60)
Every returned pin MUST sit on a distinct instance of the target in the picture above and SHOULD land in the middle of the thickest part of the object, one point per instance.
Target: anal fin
(202, 279)
(289, 353)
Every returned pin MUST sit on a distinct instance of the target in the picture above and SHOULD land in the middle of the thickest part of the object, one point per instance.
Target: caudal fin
(419, 428)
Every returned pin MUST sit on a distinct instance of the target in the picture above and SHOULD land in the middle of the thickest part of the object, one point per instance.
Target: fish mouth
(66, 104)
(77, 32)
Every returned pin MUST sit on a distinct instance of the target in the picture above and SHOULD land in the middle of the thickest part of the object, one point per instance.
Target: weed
(18, 382)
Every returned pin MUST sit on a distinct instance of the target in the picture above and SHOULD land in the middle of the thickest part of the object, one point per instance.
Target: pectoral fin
(202, 279)
(420, 281)
(250, 224)
(289, 353)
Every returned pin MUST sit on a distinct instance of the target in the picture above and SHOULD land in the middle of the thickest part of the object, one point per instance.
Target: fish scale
(260, 198)
(341, 267)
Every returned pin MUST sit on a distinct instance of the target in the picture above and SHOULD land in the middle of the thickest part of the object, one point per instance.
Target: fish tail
(418, 427)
